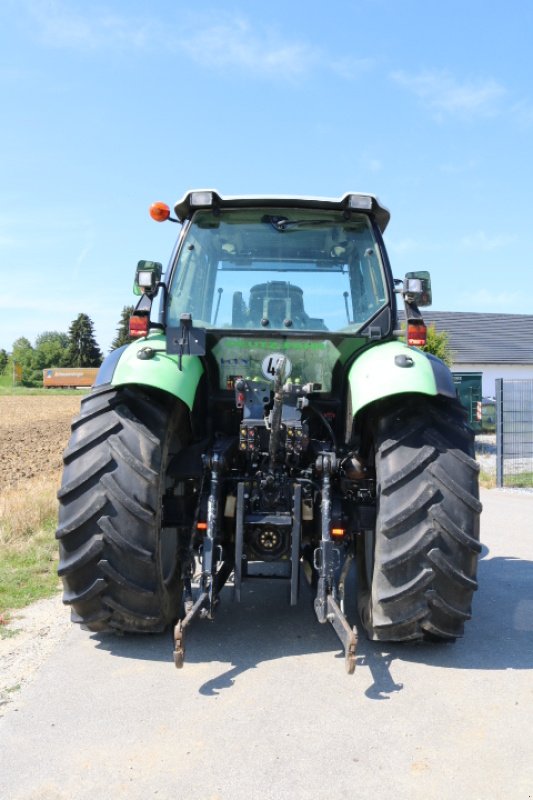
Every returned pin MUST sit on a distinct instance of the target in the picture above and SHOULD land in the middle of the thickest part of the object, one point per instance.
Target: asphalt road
(264, 709)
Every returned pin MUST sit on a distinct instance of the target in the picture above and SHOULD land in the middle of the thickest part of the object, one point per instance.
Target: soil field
(34, 431)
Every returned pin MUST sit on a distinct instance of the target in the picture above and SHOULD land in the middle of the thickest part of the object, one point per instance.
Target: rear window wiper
(283, 223)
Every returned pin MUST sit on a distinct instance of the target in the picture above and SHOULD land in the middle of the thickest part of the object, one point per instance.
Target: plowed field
(34, 431)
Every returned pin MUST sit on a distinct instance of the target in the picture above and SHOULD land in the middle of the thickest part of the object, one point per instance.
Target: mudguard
(394, 368)
(146, 362)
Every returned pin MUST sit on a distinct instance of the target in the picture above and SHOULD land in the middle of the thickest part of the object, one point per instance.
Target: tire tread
(427, 530)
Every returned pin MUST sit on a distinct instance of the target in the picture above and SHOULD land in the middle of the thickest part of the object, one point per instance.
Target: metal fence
(514, 433)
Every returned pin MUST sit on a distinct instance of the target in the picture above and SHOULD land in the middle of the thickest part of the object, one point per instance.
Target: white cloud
(233, 43)
(59, 25)
(442, 93)
(479, 240)
(230, 42)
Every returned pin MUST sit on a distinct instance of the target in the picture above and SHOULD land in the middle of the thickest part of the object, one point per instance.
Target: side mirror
(417, 288)
(147, 276)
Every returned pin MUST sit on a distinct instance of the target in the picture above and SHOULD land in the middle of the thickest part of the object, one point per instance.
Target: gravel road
(31, 636)
(263, 707)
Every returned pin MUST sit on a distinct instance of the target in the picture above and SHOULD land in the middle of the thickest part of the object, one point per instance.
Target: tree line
(77, 348)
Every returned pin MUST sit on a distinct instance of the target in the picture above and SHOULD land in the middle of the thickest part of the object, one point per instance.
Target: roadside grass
(28, 549)
(522, 480)
(487, 479)
(27, 390)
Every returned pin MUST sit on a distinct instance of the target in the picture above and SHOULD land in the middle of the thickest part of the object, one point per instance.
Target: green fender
(124, 366)
(394, 368)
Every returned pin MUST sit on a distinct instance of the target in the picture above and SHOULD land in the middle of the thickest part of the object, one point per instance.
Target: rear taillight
(416, 334)
(139, 326)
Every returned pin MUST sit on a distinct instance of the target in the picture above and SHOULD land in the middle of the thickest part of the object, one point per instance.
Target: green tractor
(271, 419)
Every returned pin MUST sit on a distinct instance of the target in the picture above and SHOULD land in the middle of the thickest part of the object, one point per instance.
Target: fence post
(499, 432)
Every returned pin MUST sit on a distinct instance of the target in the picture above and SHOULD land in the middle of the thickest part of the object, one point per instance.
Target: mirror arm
(164, 289)
(412, 312)
(144, 305)
(162, 285)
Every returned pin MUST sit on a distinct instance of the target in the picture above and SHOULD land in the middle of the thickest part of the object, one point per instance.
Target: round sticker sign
(271, 363)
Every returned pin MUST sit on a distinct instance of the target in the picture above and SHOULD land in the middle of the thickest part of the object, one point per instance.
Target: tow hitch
(217, 565)
(327, 563)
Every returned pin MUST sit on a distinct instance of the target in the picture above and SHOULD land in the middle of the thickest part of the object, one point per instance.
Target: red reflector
(416, 334)
(338, 532)
(139, 326)
(202, 526)
(479, 415)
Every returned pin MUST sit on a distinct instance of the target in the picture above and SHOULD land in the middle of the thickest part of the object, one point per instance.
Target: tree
(22, 355)
(123, 330)
(51, 350)
(21, 350)
(4, 358)
(83, 350)
(437, 343)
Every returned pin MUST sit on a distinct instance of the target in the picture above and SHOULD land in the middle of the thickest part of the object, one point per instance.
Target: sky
(108, 106)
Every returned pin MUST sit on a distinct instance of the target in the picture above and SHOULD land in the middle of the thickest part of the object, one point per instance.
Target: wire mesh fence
(514, 433)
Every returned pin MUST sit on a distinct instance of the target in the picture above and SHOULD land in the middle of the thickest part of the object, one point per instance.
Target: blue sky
(108, 106)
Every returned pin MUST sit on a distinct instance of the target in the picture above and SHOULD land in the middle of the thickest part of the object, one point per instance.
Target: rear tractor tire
(120, 567)
(417, 569)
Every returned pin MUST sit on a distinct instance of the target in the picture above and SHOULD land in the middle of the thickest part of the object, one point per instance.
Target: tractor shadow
(264, 627)
(498, 637)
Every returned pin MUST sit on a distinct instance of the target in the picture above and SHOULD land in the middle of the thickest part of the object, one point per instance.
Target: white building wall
(492, 371)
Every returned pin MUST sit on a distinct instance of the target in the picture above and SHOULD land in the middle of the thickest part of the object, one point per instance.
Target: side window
(367, 284)
(373, 279)
(190, 290)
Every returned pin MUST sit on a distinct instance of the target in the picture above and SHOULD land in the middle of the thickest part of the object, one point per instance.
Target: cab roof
(207, 198)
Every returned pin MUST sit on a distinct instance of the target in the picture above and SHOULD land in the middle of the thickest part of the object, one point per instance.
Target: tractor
(272, 417)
